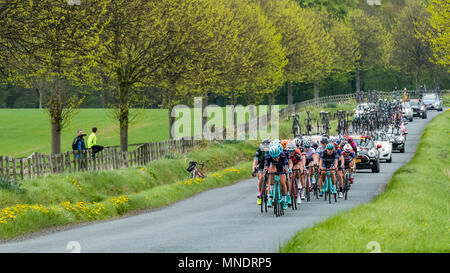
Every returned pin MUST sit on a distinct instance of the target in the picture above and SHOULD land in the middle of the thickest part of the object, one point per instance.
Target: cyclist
(284, 143)
(340, 171)
(258, 165)
(299, 143)
(328, 159)
(353, 144)
(349, 160)
(296, 165)
(310, 159)
(320, 149)
(277, 161)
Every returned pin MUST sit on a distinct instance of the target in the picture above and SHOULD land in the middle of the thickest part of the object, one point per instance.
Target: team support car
(432, 102)
(368, 156)
(407, 111)
(398, 140)
(380, 138)
(419, 109)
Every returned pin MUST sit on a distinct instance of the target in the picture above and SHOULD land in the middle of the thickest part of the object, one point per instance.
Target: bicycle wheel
(275, 201)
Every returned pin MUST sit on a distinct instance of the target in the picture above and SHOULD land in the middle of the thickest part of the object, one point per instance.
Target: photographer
(78, 143)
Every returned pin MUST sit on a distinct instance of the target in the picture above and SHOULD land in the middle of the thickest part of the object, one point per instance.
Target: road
(219, 220)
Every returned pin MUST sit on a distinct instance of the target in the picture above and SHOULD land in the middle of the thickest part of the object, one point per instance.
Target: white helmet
(347, 148)
(298, 142)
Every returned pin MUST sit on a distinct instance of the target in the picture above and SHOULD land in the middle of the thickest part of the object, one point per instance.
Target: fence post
(22, 169)
(14, 169)
(1, 166)
(29, 167)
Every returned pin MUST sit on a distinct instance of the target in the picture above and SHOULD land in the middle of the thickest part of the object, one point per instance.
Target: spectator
(78, 143)
(92, 142)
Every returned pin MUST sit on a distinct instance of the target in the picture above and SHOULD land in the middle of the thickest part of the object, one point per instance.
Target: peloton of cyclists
(296, 156)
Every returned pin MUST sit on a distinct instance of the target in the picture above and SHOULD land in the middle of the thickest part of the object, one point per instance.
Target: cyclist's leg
(283, 187)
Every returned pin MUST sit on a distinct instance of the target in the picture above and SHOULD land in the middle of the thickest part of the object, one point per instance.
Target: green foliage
(439, 34)
(10, 185)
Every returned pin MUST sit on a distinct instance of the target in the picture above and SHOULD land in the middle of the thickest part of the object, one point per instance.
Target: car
(408, 111)
(398, 140)
(432, 101)
(419, 109)
(368, 156)
(382, 139)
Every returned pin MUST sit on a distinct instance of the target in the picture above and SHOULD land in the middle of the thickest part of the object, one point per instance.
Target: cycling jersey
(260, 155)
(319, 150)
(339, 152)
(328, 160)
(283, 160)
(296, 158)
(348, 157)
(309, 155)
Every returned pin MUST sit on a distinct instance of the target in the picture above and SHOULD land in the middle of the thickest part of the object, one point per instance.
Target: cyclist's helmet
(275, 150)
(307, 144)
(349, 139)
(298, 142)
(347, 148)
(284, 143)
(324, 140)
(266, 141)
(274, 143)
(315, 145)
(330, 146)
(291, 146)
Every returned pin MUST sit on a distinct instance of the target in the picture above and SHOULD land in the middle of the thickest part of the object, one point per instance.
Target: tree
(322, 47)
(135, 42)
(337, 8)
(439, 34)
(409, 52)
(297, 40)
(254, 59)
(56, 42)
(371, 38)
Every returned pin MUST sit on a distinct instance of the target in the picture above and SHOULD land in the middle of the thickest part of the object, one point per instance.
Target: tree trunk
(417, 77)
(55, 110)
(171, 122)
(56, 137)
(123, 117)
(233, 99)
(290, 96)
(358, 83)
(316, 88)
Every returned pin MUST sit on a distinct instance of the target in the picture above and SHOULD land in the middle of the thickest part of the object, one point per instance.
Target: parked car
(381, 138)
(432, 101)
(368, 156)
(419, 109)
(408, 111)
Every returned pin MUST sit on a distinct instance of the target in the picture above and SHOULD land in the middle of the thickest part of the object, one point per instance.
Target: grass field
(24, 131)
(412, 215)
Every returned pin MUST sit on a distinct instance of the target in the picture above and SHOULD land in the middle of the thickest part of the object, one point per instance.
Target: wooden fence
(109, 159)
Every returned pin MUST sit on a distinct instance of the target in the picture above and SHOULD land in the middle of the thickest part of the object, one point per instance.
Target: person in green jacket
(92, 142)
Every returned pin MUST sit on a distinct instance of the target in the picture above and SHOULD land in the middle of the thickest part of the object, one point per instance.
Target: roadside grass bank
(410, 216)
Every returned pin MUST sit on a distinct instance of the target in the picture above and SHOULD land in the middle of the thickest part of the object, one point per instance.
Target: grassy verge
(78, 197)
(410, 216)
